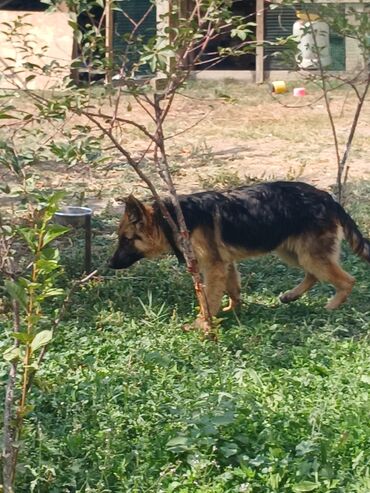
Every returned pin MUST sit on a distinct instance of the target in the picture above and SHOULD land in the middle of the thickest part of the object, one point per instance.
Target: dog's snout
(113, 262)
(123, 259)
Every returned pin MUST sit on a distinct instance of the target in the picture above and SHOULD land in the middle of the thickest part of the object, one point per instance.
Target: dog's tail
(359, 244)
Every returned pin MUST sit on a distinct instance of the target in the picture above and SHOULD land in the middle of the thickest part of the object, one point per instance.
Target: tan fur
(317, 256)
(152, 241)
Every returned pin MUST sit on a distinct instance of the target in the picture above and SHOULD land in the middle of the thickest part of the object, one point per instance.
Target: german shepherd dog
(304, 226)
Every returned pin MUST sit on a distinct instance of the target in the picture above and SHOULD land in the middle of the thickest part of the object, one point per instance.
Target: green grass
(127, 402)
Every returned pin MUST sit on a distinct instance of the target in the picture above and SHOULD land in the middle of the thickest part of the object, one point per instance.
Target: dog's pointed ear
(135, 210)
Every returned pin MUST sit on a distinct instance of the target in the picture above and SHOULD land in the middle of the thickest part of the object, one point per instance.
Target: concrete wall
(48, 36)
(354, 57)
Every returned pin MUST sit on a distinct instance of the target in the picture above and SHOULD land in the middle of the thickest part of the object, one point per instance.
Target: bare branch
(115, 118)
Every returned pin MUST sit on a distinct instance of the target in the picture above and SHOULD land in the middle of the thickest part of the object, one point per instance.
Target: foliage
(127, 402)
(167, 56)
(29, 287)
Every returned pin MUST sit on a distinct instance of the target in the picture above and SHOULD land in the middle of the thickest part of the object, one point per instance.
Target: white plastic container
(305, 34)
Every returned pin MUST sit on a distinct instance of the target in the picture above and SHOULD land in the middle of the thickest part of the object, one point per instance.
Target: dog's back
(260, 217)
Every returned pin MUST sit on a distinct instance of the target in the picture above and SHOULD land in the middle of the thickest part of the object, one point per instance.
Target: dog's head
(138, 235)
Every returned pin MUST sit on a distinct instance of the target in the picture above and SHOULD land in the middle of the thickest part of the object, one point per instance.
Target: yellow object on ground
(279, 87)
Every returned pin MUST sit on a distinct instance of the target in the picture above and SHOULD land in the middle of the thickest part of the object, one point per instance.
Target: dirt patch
(243, 134)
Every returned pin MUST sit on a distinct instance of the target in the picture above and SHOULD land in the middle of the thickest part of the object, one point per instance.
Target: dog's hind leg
(291, 258)
(341, 280)
(295, 293)
(321, 258)
(232, 287)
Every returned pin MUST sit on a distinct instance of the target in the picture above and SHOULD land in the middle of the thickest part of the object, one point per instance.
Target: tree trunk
(9, 445)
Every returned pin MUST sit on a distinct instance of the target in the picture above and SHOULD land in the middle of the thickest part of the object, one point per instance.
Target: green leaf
(30, 77)
(11, 354)
(179, 440)
(173, 486)
(255, 377)
(229, 449)
(223, 419)
(17, 292)
(305, 486)
(46, 266)
(5, 188)
(73, 24)
(30, 237)
(41, 339)
(305, 447)
(153, 64)
(365, 379)
(22, 337)
(53, 232)
(356, 461)
(179, 444)
(53, 292)
(6, 116)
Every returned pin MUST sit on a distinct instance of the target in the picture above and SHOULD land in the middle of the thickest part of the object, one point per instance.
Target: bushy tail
(359, 244)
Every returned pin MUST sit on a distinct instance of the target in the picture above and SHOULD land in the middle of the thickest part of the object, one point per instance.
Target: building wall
(49, 30)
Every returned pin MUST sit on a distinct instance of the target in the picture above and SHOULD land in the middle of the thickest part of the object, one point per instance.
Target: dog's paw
(208, 332)
(287, 297)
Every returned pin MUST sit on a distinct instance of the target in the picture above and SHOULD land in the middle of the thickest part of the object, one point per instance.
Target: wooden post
(260, 34)
(108, 40)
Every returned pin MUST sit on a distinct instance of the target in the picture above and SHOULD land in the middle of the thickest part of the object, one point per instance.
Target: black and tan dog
(302, 224)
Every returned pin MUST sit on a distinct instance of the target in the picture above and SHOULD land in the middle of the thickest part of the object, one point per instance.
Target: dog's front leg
(232, 287)
(215, 280)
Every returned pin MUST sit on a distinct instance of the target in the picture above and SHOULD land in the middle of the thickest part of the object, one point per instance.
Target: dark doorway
(126, 52)
(25, 5)
(246, 9)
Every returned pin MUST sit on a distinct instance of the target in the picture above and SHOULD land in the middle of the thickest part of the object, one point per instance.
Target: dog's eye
(125, 240)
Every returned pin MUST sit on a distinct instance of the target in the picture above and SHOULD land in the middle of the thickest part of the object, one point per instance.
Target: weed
(201, 153)
(229, 179)
(223, 179)
(295, 173)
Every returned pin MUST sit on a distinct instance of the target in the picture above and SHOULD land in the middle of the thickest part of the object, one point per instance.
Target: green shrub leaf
(178, 444)
(53, 232)
(41, 339)
(22, 337)
(11, 354)
(17, 292)
(305, 486)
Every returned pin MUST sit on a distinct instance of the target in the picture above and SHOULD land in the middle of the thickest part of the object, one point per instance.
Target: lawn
(126, 401)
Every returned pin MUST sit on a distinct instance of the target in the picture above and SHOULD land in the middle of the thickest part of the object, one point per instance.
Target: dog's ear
(135, 210)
